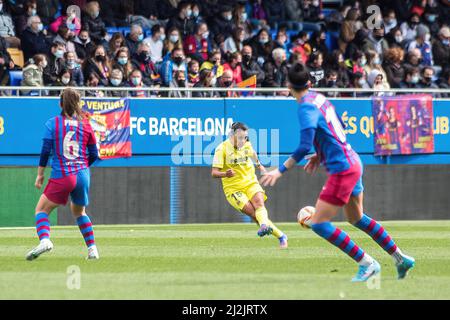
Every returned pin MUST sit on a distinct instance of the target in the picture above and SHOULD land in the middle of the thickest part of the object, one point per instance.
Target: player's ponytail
(70, 103)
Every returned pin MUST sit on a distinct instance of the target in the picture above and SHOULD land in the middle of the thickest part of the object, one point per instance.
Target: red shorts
(340, 186)
(58, 190)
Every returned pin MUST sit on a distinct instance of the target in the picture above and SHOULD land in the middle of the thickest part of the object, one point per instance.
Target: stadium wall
(144, 188)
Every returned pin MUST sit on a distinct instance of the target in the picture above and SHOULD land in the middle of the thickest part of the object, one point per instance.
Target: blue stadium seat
(331, 40)
(15, 78)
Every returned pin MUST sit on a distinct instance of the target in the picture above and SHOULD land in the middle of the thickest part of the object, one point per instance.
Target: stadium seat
(331, 41)
(15, 79)
(16, 56)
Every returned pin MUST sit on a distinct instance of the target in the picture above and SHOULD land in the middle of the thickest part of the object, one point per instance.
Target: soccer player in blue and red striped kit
(322, 128)
(71, 141)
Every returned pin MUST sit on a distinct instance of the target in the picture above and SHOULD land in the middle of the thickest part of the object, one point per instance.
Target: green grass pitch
(220, 261)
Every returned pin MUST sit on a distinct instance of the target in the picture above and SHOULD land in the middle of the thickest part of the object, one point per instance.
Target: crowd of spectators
(219, 44)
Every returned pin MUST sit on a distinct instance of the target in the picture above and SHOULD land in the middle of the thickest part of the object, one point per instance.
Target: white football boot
(44, 246)
(93, 253)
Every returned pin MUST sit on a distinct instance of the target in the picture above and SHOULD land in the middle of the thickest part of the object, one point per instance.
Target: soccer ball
(304, 216)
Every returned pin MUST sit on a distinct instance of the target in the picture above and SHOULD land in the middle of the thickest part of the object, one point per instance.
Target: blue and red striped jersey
(330, 141)
(70, 140)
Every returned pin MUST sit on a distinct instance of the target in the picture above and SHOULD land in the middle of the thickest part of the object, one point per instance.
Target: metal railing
(19, 91)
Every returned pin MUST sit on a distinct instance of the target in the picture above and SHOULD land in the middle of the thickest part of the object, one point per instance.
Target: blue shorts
(77, 186)
(359, 187)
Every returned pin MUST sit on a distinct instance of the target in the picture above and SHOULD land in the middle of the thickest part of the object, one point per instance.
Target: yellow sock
(275, 231)
(262, 216)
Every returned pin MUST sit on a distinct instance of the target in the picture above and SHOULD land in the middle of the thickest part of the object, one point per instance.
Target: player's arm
(216, 173)
(218, 164)
(258, 164)
(46, 150)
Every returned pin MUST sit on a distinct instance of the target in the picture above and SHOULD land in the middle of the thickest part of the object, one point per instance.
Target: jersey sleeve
(308, 116)
(49, 129)
(218, 160)
(91, 135)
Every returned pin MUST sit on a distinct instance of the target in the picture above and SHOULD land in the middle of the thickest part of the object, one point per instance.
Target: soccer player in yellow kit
(234, 162)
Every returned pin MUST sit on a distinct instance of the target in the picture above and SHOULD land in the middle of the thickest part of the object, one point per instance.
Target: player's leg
(80, 199)
(266, 225)
(355, 215)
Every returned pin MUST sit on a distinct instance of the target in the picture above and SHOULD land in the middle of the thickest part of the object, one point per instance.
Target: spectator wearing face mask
(93, 22)
(374, 63)
(55, 63)
(116, 42)
(427, 79)
(7, 29)
(99, 64)
(392, 65)
(70, 20)
(172, 41)
(412, 78)
(198, 45)
(262, 46)
(356, 63)
(335, 61)
(234, 43)
(409, 28)
(250, 67)
(143, 62)
(136, 82)
(223, 23)
(413, 59)
(358, 81)
(375, 80)
(316, 71)
(134, 38)
(317, 42)
(395, 38)
(234, 64)
(175, 63)
(431, 16)
(214, 63)
(348, 29)
(115, 81)
(74, 68)
(422, 42)
(441, 48)
(33, 38)
(389, 20)
(21, 21)
(281, 41)
(123, 63)
(276, 70)
(330, 81)
(241, 20)
(179, 81)
(64, 80)
(33, 72)
(182, 21)
(226, 81)
(65, 36)
(83, 45)
(376, 41)
(207, 79)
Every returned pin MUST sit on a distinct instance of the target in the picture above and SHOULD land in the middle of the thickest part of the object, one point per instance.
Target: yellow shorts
(239, 199)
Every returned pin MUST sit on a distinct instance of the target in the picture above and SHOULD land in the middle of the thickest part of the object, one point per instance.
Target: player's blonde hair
(70, 103)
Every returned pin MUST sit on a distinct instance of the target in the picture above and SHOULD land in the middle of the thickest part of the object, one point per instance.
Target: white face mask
(398, 39)
(65, 80)
(427, 37)
(44, 64)
(213, 81)
(1, 7)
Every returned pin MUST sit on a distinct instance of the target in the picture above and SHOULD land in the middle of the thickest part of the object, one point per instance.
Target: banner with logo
(403, 125)
(110, 120)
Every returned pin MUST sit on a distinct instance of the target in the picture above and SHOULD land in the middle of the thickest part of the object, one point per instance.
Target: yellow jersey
(226, 157)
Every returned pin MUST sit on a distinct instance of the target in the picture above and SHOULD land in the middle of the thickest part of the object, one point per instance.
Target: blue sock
(85, 225)
(339, 238)
(377, 232)
(42, 225)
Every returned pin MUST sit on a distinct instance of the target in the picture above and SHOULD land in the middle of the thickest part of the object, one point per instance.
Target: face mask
(189, 13)
(428, 79)
(244, 16)
(205, 35)
(415, 79)
(181, 83)
(122, 61)
(33, 12)
(331, 83)
(95, 14)
(227, 83)
(83, 40)
(59, 54)
(173, 38)
(115, 82)
(71, 64)
(363, 62)
(178, 60)
(445, 42)
(44, 64)
(195, 13)
(65, 80)
(378, 37)
(144, 56)
(246, 58)
(100, 58)
(413, 24)
(377, 60)
(162, 37)
(140, 37)
(71, 26)
(40, 27)
(427, 37)
(263, 40)
(228, 17)
(136, 81)
(392, 22)
(431, 18)
(362, 82)
(398, 39)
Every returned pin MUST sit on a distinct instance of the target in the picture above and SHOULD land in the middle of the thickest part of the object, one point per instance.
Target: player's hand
(39, 182)
(229, 173)
(270, 178)
(262, 169)
(312, 164)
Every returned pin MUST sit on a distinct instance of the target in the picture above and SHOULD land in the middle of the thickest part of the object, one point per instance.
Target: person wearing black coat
(33, 40)
(182, 21)
(83, 45)
(250, 67)
(222, 23)
(93, 22)
(275, 11)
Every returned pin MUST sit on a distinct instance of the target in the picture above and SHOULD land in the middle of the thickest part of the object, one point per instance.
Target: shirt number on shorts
(332, 118)
(71, 147)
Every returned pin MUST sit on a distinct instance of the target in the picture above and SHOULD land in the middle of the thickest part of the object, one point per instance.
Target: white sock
(397, 256)
(366, 260)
